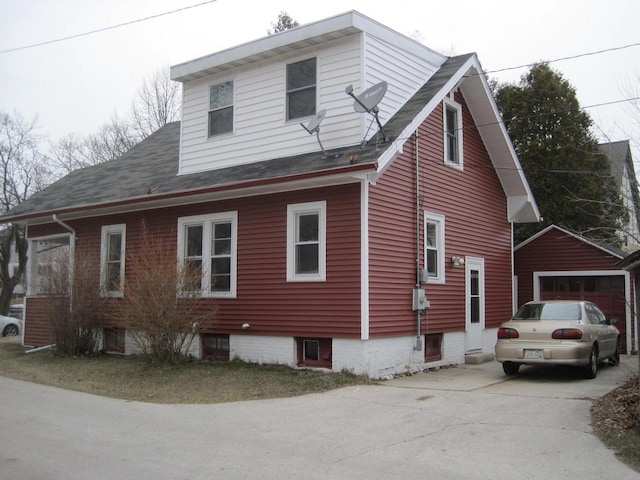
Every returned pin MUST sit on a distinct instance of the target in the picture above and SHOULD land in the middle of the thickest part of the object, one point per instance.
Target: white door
(474, 302)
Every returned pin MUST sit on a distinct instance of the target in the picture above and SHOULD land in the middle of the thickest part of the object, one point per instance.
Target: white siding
(261, 131)
(404, 71)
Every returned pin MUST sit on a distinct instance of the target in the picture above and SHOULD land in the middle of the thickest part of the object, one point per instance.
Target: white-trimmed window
(112, 259)
(434, 247)
(208, 243)
(306, 242)
(301, 89)
(452, 122)
(221, 108)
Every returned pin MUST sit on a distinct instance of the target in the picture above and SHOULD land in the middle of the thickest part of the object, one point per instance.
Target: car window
(595, 315)
(549, 311)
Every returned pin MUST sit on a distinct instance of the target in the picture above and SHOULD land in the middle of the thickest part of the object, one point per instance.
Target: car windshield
(549, 311)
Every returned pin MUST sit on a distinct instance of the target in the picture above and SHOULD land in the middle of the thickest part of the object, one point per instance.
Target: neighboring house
(622, 170)
(321, 259)
(558, 264)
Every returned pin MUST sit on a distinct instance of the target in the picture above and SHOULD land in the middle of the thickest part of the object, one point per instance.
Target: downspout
(72, 244)
(418, 346)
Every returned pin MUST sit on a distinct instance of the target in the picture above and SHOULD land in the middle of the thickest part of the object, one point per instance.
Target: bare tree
(24, 171)
(157, 103)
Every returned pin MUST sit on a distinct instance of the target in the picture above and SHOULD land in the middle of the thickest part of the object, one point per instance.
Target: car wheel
(10, 331)
(591, 369)
(615, 358)
(510, 368)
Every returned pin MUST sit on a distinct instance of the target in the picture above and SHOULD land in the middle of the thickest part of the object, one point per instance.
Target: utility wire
(104, 29)
(571, 57)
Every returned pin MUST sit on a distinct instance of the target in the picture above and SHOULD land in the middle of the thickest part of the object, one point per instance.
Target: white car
(560, 332)
(9, 326)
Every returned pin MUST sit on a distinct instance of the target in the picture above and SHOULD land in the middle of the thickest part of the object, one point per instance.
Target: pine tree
(569, 176)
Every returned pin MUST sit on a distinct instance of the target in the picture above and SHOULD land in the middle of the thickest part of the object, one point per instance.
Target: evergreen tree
(569, 176)
(285, 22)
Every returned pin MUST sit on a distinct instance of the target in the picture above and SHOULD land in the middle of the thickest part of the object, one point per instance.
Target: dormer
(246, 104)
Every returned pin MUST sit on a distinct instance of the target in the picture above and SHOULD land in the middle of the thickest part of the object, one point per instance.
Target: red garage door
(605, 291)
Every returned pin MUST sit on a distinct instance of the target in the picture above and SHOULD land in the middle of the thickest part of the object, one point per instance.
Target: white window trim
(311, 207)
(440, 231)
(206, 221)
(106, 230)
(450, 103)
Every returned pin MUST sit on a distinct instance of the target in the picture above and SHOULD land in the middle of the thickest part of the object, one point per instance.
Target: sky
(75, 86)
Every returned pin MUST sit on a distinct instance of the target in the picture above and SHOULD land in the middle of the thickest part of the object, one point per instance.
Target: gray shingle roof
(152, 165)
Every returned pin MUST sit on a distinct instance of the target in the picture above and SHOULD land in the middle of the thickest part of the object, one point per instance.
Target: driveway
(466, 422)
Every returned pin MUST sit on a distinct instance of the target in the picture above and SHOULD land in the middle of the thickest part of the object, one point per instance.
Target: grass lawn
(134, 378)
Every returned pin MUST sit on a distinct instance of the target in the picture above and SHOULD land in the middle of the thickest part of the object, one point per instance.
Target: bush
(75, 305)
(160, 306)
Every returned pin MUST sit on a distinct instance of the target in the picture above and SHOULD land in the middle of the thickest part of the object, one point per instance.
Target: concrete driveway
(467, 422)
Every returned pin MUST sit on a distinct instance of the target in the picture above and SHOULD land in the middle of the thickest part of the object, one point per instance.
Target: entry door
(474, 302)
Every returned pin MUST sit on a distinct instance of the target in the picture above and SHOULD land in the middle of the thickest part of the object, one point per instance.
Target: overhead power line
(104, 29)
(571, 57)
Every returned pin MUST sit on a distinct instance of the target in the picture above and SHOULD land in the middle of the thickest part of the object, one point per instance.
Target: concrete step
(476, 358)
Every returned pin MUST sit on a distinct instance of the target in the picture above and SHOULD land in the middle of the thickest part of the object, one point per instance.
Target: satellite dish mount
(314, 127)
(367, 102)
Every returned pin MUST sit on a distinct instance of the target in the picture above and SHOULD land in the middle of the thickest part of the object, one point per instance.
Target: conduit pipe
(418, 346)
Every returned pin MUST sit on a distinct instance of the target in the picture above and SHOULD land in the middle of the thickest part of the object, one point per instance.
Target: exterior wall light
(457, 261)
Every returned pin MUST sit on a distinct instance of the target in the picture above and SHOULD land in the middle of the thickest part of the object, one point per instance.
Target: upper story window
(221, 108)
(112, 259)
(434, 247)
(301, 89)
(306, 242)
(208, 243)
(452, 133)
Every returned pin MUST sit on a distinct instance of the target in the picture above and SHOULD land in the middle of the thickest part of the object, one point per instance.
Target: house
(558, 264)
(375, 238)
(623, 172)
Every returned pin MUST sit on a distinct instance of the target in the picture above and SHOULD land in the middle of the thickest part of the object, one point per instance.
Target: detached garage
(558, 264)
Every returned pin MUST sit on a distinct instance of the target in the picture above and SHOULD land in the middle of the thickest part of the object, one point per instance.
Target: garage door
(605, 291)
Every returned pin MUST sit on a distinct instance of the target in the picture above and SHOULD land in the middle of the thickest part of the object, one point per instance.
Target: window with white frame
(221, 108)
(208, 244)
(452, 132)
(301, 89)
(434, 247)
(112, 259)
(306, 242)
(49, 258)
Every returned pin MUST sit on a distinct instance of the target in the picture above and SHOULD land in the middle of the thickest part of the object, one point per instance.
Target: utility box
(420, 301)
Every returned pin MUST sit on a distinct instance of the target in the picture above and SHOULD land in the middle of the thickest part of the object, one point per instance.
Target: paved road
(467, 422)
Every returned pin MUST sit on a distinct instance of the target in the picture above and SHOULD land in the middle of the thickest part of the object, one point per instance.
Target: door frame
(474, 330)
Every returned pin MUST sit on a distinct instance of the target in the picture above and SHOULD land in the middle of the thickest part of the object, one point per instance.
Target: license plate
(533, 354)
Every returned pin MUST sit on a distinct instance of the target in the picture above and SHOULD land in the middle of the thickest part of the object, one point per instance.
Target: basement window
(432, 347)
(314, 352)
(215, 346)
(114, 340)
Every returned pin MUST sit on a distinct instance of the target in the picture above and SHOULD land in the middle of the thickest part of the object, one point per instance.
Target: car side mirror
(612, 321)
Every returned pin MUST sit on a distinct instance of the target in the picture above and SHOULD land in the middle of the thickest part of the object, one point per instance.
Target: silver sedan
(561, 332)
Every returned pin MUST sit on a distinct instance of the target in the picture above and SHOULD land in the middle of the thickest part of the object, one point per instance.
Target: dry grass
(135, 378)
(616, 421)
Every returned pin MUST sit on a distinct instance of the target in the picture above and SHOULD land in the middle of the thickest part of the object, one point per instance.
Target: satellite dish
(370, 98)
(314, 127)
(314, 124)
(367, 102)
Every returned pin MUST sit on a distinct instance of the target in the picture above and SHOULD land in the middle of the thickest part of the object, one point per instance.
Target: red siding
(557, 251)
(265, 300)
(36, 328)
(474, 206)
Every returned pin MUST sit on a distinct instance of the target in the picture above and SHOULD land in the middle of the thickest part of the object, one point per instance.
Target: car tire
(10, 331)
(510, 368)
(591, 369)
(615, 358)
